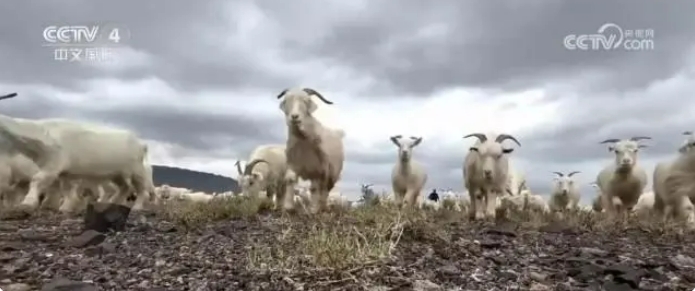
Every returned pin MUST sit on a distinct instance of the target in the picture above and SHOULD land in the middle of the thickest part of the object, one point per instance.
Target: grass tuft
(370, 234)
(192, 214)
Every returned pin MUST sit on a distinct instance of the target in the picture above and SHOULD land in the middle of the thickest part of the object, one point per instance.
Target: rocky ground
(263, 253)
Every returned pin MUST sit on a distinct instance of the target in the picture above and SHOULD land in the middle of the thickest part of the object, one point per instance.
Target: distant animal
(408, 176)
(565, 193)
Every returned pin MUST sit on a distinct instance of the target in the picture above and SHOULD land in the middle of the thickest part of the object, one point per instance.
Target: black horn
(572, 173)
(502, 137)
(559, 174)
(8, 96)
(251, 164)
(480, 136)
(395, 139)
(642, 146)
(638, 138)
(314, 92)
(238, 167)
(610, 140)
(282, 93)
(687, 132)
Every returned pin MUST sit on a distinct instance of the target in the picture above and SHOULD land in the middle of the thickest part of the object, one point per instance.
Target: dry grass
(191, 214)
(347, 238)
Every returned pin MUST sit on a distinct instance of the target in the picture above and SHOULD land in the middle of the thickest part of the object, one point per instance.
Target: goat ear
(311, 106)
(473, 149)
(507, 151)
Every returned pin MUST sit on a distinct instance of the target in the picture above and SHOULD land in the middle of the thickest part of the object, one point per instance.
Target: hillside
(194, 180)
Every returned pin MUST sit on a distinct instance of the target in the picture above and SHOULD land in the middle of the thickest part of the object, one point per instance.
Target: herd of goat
(64, 164)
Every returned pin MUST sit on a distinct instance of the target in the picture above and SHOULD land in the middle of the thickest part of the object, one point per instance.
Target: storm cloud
(198, 80)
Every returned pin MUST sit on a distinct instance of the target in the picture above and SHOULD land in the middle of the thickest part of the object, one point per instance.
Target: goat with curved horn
(8, 96)
(610, 140)
(314, 92)
(251, 164)
(559, 174)
(482, 137)
(502, 137)
(572, 173)
(638, 138)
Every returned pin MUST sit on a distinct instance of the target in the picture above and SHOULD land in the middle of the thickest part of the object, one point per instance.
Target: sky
(198, 80)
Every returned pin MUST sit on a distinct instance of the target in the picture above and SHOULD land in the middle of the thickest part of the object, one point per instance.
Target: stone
(104, 217)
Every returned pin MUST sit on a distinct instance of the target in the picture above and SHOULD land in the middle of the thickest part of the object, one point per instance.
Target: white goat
(265, 172)
(515, 181)
(408, 176)
(314, 152)
(336, 199)
(485, 173)
(565, 193)
(15, 169)
(197, 197)
(597, 202)
(645, 204)
(673, 185)
(525, 201)
(166, 192)
(449, 197)
(64, 147)
(623, 181)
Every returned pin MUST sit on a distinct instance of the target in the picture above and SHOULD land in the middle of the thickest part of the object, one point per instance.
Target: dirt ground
(232, 247)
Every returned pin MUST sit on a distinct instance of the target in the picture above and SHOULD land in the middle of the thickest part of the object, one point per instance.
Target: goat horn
(251, 164)
(502, 137)
(8, 96)
(395, 139)
(687, 132)
(559, 174)
(642, 146)
(314, 92)
(638, 138)
(238, 167)
(572, 173)
(282, 93)
(480, 136)
(610, 140)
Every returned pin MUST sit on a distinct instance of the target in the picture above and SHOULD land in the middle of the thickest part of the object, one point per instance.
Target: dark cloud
(482, 44)
(185, 39)
(195, 129)
(500, 43)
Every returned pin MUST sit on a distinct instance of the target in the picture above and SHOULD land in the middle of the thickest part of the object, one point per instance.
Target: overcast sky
(198, 79)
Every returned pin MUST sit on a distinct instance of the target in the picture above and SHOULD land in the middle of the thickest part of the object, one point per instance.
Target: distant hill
(194, 180)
